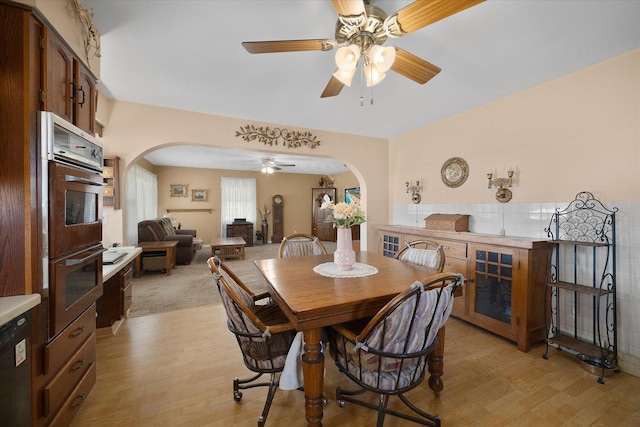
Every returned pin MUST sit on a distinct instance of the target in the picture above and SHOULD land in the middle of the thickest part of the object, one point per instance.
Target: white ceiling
(188, 55)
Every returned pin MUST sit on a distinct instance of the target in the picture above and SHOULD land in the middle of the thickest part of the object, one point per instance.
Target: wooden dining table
(312, 301)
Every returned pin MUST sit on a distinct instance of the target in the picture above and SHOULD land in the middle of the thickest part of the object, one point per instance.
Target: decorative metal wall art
(275, 136)
(454, 172)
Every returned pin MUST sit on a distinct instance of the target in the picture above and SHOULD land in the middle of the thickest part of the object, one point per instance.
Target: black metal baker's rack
(581, 283)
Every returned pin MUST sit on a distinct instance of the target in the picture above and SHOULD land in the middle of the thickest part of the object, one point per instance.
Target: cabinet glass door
(493, 281)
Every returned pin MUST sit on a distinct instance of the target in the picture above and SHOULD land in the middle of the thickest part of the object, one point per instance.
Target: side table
(169, 247)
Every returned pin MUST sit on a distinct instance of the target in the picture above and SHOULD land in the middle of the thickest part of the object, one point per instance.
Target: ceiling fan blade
(414, 68)
(285, 164)
(333, 88)
(288, 45)
(350, 12)
(276, 168)
(421, 13)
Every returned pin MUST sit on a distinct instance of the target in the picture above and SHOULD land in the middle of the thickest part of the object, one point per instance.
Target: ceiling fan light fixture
(344, 77)
(373, 75)
(382, 57)
(347, 57)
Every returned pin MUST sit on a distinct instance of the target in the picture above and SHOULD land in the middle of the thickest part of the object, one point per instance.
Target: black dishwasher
(15, 372)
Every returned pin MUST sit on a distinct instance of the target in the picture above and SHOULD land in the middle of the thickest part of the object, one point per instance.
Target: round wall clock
(454, 172)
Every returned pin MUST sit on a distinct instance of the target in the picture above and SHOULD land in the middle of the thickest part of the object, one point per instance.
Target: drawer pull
(77, 366)
(78, 401)
(77, 332)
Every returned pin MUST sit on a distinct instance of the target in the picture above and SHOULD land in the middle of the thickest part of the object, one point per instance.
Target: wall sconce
(414, 188)
(503, 195)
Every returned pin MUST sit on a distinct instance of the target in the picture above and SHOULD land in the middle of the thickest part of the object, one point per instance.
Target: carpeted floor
(192, 285)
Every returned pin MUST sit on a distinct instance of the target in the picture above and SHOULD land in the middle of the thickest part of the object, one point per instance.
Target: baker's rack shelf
(581, 284)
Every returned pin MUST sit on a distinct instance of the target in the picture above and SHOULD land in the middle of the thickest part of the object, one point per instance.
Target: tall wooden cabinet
(582, 283)
(320, 228)
(504, 291)
(37, 70)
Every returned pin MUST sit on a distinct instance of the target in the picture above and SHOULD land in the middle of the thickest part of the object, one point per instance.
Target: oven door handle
(71, 262)
(72, 178)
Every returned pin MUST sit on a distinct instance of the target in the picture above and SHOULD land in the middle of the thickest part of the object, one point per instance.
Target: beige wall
(131, 130)
(579, 132)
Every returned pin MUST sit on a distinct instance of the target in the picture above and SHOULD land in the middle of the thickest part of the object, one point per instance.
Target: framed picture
(179, 190)
(352, 195)
(199, 195)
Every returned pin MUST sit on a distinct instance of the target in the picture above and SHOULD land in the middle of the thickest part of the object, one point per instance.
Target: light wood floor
(176, 369)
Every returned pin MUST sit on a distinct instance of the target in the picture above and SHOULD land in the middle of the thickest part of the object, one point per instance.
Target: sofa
(161, 229)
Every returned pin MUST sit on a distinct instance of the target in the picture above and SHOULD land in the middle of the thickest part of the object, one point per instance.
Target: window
(238, 200)
(142, 200)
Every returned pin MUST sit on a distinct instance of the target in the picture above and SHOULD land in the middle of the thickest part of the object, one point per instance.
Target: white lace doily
(330, 269)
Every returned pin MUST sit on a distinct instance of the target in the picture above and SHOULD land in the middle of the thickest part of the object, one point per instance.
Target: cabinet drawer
(76, 399)
(455, 265)
(69, 341)
(127, 300)
(69, 376)
(127, 275)
(454, 249)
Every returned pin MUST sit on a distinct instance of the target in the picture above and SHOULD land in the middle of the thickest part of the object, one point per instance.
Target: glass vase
(344, 256)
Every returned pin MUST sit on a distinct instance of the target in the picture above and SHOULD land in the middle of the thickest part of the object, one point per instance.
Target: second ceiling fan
(360, 33)
(269, 165)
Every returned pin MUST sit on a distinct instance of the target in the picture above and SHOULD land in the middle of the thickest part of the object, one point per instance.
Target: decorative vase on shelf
(344, 256)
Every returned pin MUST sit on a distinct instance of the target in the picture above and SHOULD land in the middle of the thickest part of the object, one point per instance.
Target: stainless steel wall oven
(72, 220)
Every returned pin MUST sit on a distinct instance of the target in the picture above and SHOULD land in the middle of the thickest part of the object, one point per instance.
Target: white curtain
(237, 200)
(142, 200)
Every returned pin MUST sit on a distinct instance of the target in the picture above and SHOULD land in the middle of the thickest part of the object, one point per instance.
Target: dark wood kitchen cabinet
(27, 80)
(69, 85)
(504, 291)
(115, 301)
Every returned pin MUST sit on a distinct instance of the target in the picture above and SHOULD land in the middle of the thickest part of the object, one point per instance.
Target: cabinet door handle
(77, 332)
(81, 103)
(78, 401)
(77, 366)
(470, 280)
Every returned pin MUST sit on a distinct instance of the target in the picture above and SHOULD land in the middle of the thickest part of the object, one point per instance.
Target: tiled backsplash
(530, 220)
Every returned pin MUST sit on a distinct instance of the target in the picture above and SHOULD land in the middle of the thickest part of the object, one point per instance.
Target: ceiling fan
(269, 165)
(361, 30)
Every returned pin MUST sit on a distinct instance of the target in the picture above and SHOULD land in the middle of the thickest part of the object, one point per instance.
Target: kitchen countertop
(12, 307)
(108, 271)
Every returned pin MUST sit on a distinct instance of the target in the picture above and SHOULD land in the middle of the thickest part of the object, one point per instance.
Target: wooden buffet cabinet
(504, 292)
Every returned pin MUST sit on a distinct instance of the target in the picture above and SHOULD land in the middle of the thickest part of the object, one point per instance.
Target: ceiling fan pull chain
(361, 60)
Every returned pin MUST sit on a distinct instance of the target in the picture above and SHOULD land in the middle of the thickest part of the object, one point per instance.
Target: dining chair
(425, 253)
(300, 244)
(263, 333)
(217, 266)
(389, 355)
